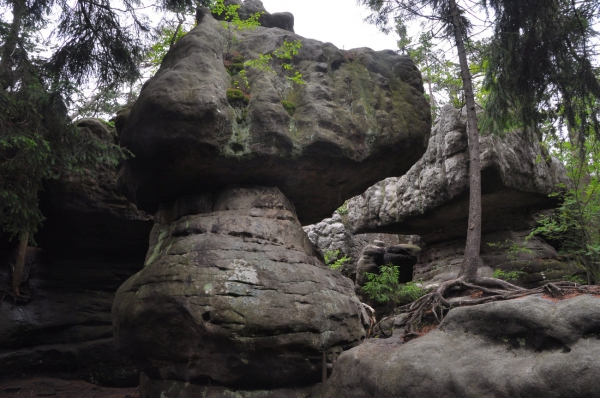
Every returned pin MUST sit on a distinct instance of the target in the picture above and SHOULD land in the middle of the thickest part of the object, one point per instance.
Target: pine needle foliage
(540, 66)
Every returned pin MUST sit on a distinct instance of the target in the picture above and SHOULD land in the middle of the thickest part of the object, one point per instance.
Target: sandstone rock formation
(283, 20)
(532, 260)
(232, 293)
(92, 240)
(331, 235)
(531, 347)
(404, 256)
(431, 199)
(86, 216)
(66, 329)
(356, 109)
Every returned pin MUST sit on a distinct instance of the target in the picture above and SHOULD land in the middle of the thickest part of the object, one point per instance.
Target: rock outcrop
(331, 235)
(531, 260)
(282, 20)
(233, 294)
(431, 200)
(360, 116)
(92, 240)
(66, 328)
(86, 216)
(531, 347)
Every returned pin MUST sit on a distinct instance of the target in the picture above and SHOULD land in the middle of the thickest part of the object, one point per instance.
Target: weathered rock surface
(535, 261)
(233, 294)
(283, 20)
(529, 347)
(360, 117)
(86, 216)
(331, 235)
(66, 328)
(93, 239)
(374, 256)
(150, 388)
(431, 200)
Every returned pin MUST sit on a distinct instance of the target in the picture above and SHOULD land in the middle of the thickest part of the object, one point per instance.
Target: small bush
(384, 287)
(335, 263)
(289, 106)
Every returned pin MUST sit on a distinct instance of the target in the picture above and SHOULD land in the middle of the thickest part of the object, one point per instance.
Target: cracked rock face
(331, 235)
(360, 117)
(529, 347)
(431, 200)
(232, 293)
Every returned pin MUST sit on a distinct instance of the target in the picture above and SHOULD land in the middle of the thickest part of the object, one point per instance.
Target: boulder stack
(233, 293)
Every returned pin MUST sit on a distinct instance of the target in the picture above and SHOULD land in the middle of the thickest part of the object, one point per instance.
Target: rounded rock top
(359, 117)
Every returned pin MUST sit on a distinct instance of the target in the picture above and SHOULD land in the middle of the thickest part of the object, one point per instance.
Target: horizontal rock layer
(232, 294)
(66, 328)
(431, 200)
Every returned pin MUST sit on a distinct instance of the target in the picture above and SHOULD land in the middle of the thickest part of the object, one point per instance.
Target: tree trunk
(10, 46)
(472, 249)
(20, 263)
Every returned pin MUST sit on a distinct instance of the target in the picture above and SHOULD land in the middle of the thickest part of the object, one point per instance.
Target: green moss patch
(237, 97)
(289, 106)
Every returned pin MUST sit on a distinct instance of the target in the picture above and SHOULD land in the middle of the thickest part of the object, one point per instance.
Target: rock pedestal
(232, 294)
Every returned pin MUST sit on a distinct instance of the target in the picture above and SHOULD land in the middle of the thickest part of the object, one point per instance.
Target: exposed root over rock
(459, 293)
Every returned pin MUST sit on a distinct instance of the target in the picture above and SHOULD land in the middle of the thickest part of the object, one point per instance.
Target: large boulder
(530, 347)
(233, 294)
(360, 117)
(431, 200)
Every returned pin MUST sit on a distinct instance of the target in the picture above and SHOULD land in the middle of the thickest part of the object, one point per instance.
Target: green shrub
(384, 286)
(335, 263)
(289, 106)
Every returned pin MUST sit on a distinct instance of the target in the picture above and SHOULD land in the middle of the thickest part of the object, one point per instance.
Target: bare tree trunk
(472, 249)
(20, 263)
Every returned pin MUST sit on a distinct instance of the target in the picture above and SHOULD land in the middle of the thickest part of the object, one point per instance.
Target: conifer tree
(524, 40)
(38, 141)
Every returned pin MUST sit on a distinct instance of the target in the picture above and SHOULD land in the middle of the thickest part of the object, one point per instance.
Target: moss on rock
(289, 107)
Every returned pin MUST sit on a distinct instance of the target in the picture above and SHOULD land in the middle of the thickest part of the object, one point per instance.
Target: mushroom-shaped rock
(360, 116)
(431, 200)
(233, 294)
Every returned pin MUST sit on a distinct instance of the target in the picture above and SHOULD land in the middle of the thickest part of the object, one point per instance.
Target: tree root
(16, 297)
(488, 290)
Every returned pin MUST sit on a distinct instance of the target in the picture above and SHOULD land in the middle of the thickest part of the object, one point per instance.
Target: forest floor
(50, 387)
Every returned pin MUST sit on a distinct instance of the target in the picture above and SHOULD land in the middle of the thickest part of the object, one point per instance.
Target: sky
(337, 21)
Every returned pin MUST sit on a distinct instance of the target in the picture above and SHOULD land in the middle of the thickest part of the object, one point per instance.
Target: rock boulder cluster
(233, 293)
(233, 298)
